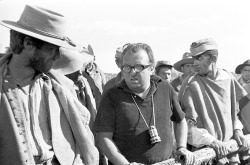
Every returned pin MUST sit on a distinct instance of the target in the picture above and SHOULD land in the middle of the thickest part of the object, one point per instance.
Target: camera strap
(153, 112)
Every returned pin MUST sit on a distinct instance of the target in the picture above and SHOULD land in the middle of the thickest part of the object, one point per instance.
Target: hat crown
(247, 62)
(43, 21)
(200, 46)
(186, 55)
(164, 62)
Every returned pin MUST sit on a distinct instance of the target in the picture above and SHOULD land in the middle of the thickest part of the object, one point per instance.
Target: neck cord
(152, 101)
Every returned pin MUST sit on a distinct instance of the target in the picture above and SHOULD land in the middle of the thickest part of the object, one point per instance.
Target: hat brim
(197, 54)
(177, 65)
(239, 67)
(71, 61)
(16, 27)
(167, 65)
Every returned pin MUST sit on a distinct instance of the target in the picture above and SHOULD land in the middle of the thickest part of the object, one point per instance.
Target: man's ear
(27, 42)
(214, 58)
(182, 68)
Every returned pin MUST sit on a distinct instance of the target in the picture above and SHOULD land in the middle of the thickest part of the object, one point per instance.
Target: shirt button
(25, 151)
(23, 142)
(10, 99)
(18, 125)
(20, 133)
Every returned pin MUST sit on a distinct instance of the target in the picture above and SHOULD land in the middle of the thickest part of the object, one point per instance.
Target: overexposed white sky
(168, 26)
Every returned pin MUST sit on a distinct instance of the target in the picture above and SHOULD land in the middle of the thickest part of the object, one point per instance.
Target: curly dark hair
(17, 39)
(135, 47)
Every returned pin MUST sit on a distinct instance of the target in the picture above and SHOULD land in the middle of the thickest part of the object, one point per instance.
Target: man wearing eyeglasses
(133, 123)
(209, 99)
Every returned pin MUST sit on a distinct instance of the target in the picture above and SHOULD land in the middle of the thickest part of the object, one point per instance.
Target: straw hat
(239, 67)
(201, 46)
(186, 59)
(72, 60)
(42, 24)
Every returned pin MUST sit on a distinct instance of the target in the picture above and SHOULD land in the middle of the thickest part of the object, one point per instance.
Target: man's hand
(220, 148)
(189, 157)
(241, 140)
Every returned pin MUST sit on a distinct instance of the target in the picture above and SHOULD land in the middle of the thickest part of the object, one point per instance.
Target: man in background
(95, 77)
(244, 70)
(185, 66)
(118, 60)
(163, 69)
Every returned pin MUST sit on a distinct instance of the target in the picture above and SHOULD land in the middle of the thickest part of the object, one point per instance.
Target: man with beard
(41, 120)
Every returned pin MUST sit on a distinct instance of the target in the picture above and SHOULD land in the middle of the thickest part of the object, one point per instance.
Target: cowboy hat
(164, 63)
(42, 24)
(72, 60)
(186, 59)
(201, 46)
(239, 67)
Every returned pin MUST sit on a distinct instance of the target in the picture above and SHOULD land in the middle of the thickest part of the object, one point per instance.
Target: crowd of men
(56, 107)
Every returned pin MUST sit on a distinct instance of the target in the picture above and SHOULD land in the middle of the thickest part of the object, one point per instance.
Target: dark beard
(37, 65)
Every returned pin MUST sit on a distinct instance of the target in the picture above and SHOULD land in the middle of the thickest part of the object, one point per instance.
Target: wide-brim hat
(239, 67)
(186, 59)
(200, 46)
(42, 24)
(164, 63)
(72, 60)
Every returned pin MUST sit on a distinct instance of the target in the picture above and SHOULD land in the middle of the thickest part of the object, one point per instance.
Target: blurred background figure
(244, 70)
(185, 66)
(163, 69)
(95, 77)
(118, 60)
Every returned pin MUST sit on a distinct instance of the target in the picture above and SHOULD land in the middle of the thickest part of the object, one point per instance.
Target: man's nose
(196, 63)
(133, 71)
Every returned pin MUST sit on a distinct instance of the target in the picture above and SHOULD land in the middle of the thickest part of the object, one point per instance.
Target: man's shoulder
(109, 84)
(60, 78)
(176, 80)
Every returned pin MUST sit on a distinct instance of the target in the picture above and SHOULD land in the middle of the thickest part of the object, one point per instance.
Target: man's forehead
(141, 55)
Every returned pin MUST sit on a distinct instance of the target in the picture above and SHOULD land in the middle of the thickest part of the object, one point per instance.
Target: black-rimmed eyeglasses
(136, 68)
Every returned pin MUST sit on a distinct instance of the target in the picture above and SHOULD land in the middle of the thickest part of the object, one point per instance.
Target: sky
(168, 26)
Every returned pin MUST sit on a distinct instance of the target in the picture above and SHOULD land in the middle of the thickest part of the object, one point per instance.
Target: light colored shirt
(36, 113)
